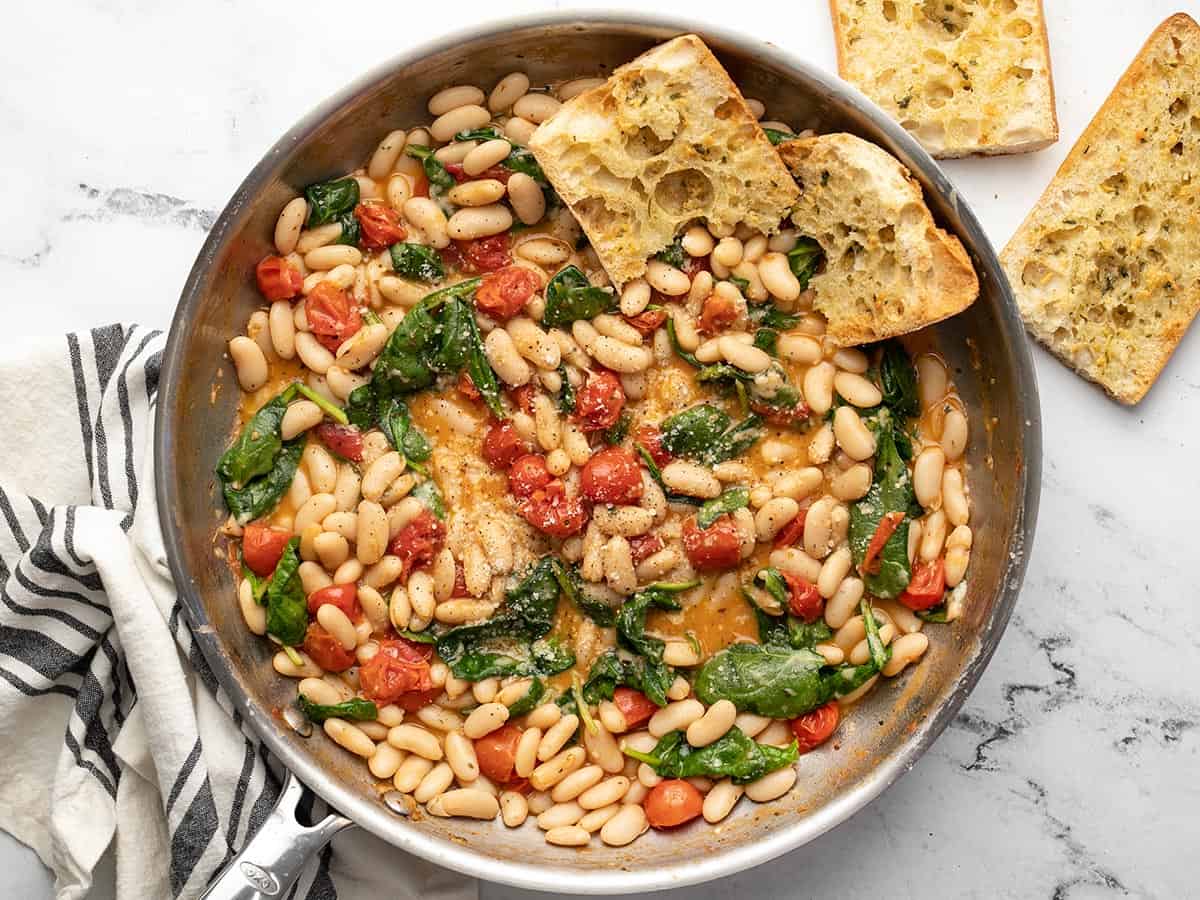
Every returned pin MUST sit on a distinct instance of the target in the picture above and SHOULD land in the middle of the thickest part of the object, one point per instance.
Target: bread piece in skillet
(888, 268)
(964, 77)
(667, 139)
(1106, 267)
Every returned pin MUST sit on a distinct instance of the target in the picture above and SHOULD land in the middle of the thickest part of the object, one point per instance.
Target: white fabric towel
(112, 729)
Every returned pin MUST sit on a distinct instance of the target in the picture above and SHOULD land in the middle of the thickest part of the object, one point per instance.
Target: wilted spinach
(418, 262)
(356, 708)
(258, 468)
(479, 134)
(521, 160)
(673, 254)
(804, 259)
(434, 170)
(730, 501)
(733, 756)
(618, 430)
(529, 701)
(566, 394)
(706, 434)
(427, 492)
(784, 630)
(655, 675)
(329, 201)
(570, 296)
(260, 494)
(776, 137)
(898, 377)
(258, 584)
(571, 585)
(287, 607)
(610, 671)
(396, 423)
(689, 358)
(891, 491)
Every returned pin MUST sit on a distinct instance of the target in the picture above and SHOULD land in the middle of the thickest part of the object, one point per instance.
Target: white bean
(777, 277)
(818, 387)
(857, 390)
(625, 827)
(463, 117)
(773, 786)
(485, 719)
(350, 737)
(691, 479)
(927, 476)
(508, 90)
(713, 725)
(954, 498)
(502, 353)
(428, 216)
(299, 417)
(288, 225)
(312, 353)
(773, 516)
(536, 108)
(675, 716)
(479, 222)
(250, 363)
(852, 435)
(371, 532)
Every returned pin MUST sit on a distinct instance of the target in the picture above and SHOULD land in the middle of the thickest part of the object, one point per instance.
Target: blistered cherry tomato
(713, 548)
(814, 728)
(343, 596)
(522, 397)
(635, 706)
(883, 531)
(612, 475)
(502, 445)
(497, 753)
(927, 587)
(793, 530)
(551, 511)
(262, 546)
(717, 314)
(278, 279)
(332, 315)
(783, 416)
(326, 650)
(671, 803)
(418, 542)
(487, 254)
(648, 322)
(528, 474)
(399, 668)
(805, 601)
(466, 386)
(344, 440)
(380, 226)
(599, 402)
(504, 293)
(650, 438)
(644, 546)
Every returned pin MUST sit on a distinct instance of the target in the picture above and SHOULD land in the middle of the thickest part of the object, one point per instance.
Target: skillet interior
(891, 729)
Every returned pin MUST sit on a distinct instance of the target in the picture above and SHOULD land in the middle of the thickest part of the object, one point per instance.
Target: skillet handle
(271, 861)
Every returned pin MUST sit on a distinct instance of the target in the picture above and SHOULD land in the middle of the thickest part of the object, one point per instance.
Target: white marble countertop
(1071, 771)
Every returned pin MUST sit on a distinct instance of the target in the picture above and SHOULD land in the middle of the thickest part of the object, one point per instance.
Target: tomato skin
(343, 596)
(420, 185)
(644, 546)
(648, 321)
(551, 511)
(499, 173)
(599, 402)
(671, 803)
(379, 226)
(883, 531)
(418, 542)
(487, 254)
(713, 548)
(793, 530)
(522, 398)
(262, 546)
(805, 602)
(635, 706)
(528, 474)
(782, 416)
(502, 446)
(814, 728)
(497, 753)
(344, 440)
(717, 314)
(416, 700)
(650, 439)
(326, 650)
(460, 580)
(466, 386)
(926, 587)
(399, 668)
(504, 293)
(332, 315)
(277, 278)
(612, 475)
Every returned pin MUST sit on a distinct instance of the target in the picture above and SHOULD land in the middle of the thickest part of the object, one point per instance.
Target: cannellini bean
(954, 434)
(428, 216)
(773, 786)
(576, 783)
(536, 107)
(744, 356)
(381, 473)
(777, 277)
(315, 508)
(348, 572)
(852, 435)
(258, 329)
(932, 379)
(625, 827)
(460, 754)
(470, 803)
(250, 363)
(385, 761)
(799, 348)
(544, 251)
(525, 758)
(691, 479)
(514, 809)
(675, 716)
(848, 359)
(519, 130)
(533, 343)
(818, 388)
(452, 98)
(479, 222)
(411, 773)
(927, 476)
(820, 445)
(330, 256)
(505, 359)
(795, 561)
(371, 531)
(667, 279)
(322, 470)
(288, 225)
(557, 736)
(485, 719)
(508, 90)
(697, 242)
(526, 197)
(851, 484)
(556, 768)
(338, 624)
(954, 498)
(254, 613)
(857, 390)
(350, 737)
(462, 117)
(486, 155)
(480, 192)
(720, 801)
(773, 516)
(835, 568)
(312, 354)
(818, 528)
(415, 739)
(620, 356)
(282, 325)
(383, 160)
(283, 664)
(299, 417)
(313, 577)
(713, 725)
(635, 297)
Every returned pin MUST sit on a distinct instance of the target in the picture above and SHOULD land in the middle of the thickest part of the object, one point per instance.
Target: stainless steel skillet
(198, 397)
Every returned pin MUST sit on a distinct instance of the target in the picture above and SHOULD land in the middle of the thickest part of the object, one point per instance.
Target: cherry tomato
(499, 173)
(278, 279)
(466, 386)
(487, 254)
(504, 293)
(598, 403)
(671, 803)
(717, 314)
(332, 315)
(612, 475)
(452, 258)
(262, 546)
(343, 596)
(927, 586)
(550, 510)
(644, 545)
(502, 445)
(694, 265)
(456, 171)
(650, 438)
(497, 753)
(805, 602)
(528, 474)
(380, 225)
(782, 416)
(884, 530)
(326, 650)
(400, 667)
(420, 185)
(415, 700)
(522, 398)
(418, 542)
(716, 547)
(635, 706)
(793, 530)
(814, 728)
(344, 440)
(647, 322)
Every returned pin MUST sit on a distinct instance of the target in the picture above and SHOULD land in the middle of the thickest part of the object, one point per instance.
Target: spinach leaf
(480, 370)
(611, 671)
(785, 630)
(287, 608)
(328, 407)
(891, 491)
(434, 170)
(255, 450)
(529, 702)
(733, 756)
(731, 500)
(740, 283)
(355, 708)
(406, 363)
(479, 134)
(767, 340)
(898, 377)
(523, 161)
(570, 296)
(722, 374)
(350, 229)
(260, 494)
(418, 262)
(655, 675)
(689, 358)
(418, 637)
(454, 338)
(396, 423)
(673, 254)
(566, 394)
(258, 584)
(362, 408)
(572, 586)
(776, 137)
(330, 200)
(804, 259)
(619, 429)
(706, 434)
(427, 492)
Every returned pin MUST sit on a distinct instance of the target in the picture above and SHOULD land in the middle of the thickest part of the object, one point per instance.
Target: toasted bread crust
(667, 139)
(1097, 277)
(888, 268)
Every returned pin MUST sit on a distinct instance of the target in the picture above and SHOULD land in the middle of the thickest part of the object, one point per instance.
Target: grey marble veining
(1071, 772)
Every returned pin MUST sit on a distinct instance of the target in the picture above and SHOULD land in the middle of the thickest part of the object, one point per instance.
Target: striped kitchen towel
(113, 731)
